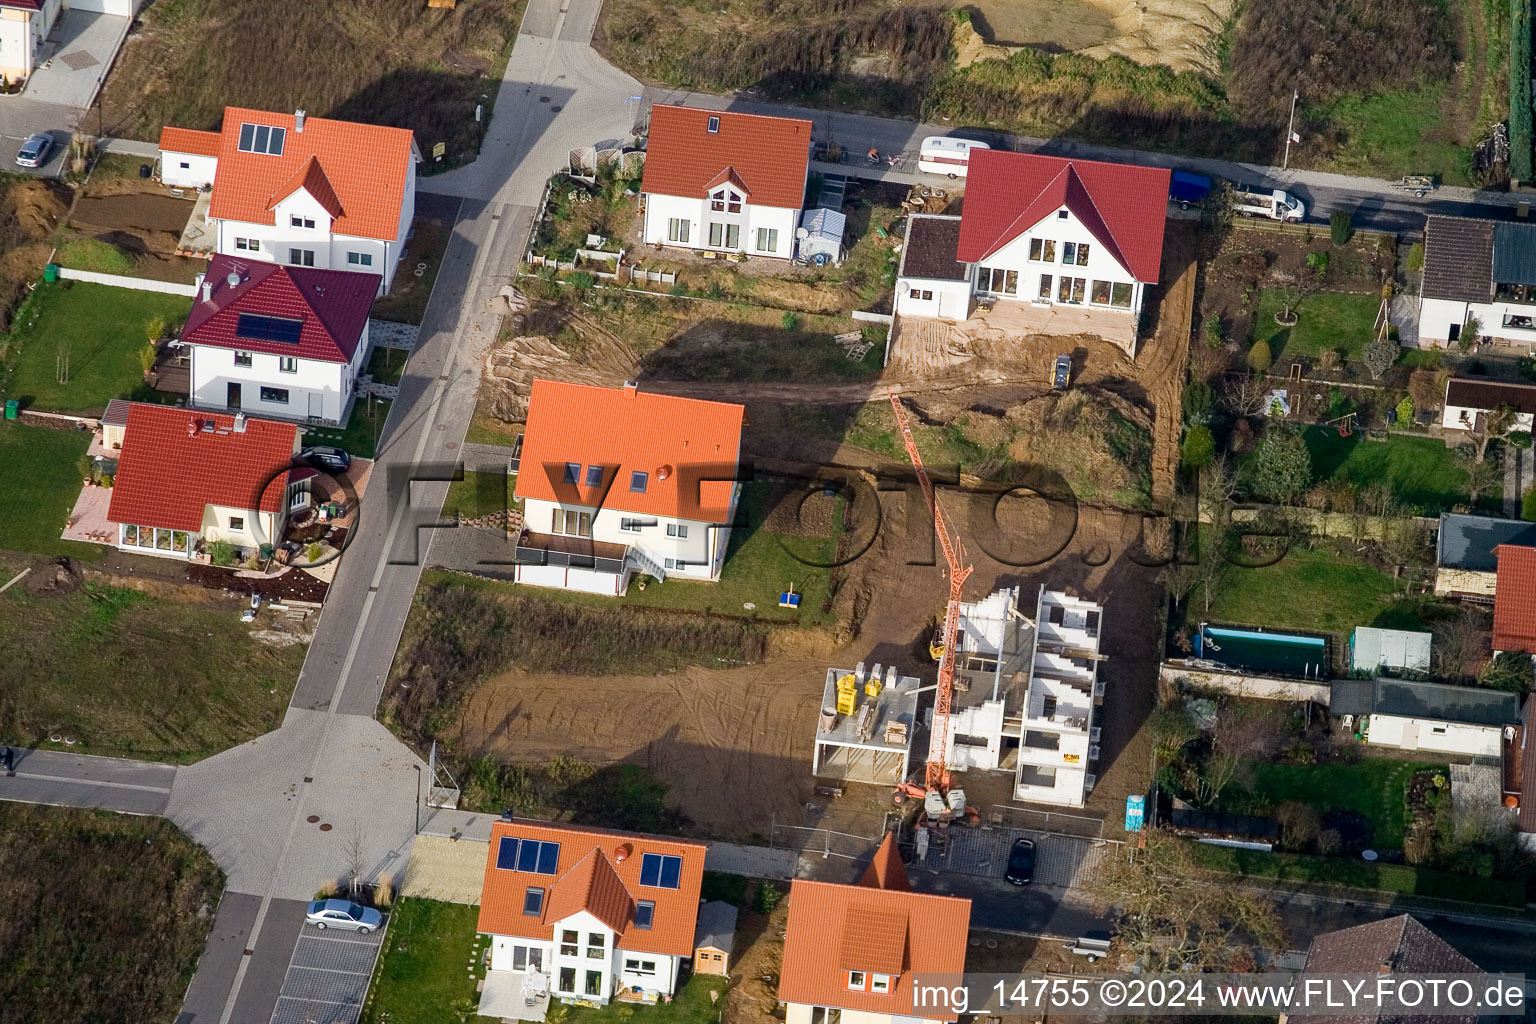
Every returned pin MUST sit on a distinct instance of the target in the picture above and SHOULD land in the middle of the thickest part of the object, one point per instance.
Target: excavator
(941, 803)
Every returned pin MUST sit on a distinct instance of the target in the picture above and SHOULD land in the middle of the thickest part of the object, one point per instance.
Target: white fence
(136, 283)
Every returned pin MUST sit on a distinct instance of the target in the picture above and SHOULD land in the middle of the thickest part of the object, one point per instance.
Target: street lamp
(418, 799)
(1290, 130)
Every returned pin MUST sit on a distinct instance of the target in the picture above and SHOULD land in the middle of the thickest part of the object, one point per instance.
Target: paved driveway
(1060, 860)
(327, 977)
(80, 50)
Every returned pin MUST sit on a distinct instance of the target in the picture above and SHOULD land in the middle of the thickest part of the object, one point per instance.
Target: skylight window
(645, 914)
(594, 476)
(714, 126)
(260, 138)
(572, 472)
(637, 481)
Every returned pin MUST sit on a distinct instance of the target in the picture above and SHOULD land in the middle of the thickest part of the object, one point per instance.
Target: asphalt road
(78, 780)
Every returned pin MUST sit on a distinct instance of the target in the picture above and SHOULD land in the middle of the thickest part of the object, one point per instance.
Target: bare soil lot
(142, 221)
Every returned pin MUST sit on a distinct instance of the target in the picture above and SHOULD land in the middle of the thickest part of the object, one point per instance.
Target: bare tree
(1379, 356)
(1481, 475)
(1293, 288)
(1460, 646)
(1494, 423)
(353, 848)
(1175, 914)
(1246, 395)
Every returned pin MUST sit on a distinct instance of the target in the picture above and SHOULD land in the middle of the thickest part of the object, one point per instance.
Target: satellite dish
(233, 280)
(802, 232)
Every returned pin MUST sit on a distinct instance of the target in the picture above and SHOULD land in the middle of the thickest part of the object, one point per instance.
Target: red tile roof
(834, 929)
(366, 166)
(24, 5)
(598, 872)
(886, 871)
(675, 441)
(1124, 207)
(769, 157)
(1514, 601)
(170, 469)
(332, 304)
(189, 140)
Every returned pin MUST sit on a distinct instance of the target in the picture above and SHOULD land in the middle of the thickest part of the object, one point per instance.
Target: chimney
(298, 122)
(239, 422)
(631, 387)
(207, 290)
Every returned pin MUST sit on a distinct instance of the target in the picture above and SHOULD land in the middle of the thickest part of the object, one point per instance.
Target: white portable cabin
(819, 239)
(941, 154)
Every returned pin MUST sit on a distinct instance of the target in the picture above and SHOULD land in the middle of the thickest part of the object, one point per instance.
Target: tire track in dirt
(1162, 362)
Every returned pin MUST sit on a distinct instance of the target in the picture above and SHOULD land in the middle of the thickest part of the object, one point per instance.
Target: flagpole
(1290, 129)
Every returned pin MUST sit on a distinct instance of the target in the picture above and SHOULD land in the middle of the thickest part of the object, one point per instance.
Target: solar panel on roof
(257, 327)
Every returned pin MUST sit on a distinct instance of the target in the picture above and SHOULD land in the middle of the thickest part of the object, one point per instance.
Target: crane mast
(936, 775)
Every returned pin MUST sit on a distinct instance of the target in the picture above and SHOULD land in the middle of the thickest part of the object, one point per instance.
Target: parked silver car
(34, 152)
(344, 915)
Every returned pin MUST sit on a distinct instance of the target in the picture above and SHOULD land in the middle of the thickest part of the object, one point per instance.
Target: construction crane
(935, 790)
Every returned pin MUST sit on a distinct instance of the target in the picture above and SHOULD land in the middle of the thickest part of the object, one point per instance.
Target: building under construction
(864, 733)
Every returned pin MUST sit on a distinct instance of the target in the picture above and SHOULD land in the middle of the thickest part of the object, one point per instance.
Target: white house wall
(947, 300)
(661, 209)
(982, 721)
(702, 551)
(1429, 734)
(258, 527)
(800, 1013)
(1464, 417)
(1101, 266)
(315, 385)
(273, 242)
(663, 979)
(121, 8)
(187, 170)
(1437, 316)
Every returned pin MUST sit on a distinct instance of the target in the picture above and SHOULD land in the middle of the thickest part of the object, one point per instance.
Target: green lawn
(1422, 471)
(408, 294)
(360, 437)
(872, 426)
(1359, 874)
(105, 914)
(1327, 320)
(692, 1005)
(39, 483)
(1306, 590)
(1397, 130)
(423, 975)
(480, 494)
(1375, 787)
(487, 429)
(386, 365)
(97, 330)
(127, 674)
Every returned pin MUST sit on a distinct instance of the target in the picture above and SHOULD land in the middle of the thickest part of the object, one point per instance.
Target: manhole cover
(451, 445)
(312, 818)
(543, 99)
(79, 60)
(555, 109)
(326, 827)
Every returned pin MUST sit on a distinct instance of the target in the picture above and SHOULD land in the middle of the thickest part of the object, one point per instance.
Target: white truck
(1271, 203)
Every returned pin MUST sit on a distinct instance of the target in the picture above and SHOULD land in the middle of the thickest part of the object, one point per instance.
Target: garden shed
(1388, 650)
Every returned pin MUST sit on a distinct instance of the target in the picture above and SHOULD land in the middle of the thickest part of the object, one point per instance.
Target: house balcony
(576, 552)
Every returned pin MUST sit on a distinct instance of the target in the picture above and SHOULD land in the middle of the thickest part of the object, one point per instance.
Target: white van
(942, 154)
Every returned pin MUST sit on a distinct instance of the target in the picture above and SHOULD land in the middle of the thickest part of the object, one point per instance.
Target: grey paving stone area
(984, 851)
(327, 978)
(388, 334)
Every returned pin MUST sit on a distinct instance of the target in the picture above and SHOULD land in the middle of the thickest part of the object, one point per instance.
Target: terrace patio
(930, 343)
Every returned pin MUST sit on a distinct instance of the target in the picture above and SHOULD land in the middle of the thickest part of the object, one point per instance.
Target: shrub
(1341, 227)
(1259, 357)
(789, 321)
(147, 353)
(1405, 409)
(1318, 263)
(1379, 356)
(1528, 506)
(154, 328)
(581, 281)
(1520, 90)
(314, 551)
(221, 552)
(1199, 447)
(1198, 401)
(1415, 258)
(766, 898)
(1281, 466)
(1518, 439)
(1212, 331)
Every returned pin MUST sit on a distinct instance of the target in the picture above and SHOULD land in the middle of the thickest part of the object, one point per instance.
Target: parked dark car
(1186, 189)
(1021, 862)
(327, 457)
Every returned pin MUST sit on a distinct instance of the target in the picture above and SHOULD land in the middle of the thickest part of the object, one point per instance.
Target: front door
(232, 400)
(316, 406)
(1454, 333)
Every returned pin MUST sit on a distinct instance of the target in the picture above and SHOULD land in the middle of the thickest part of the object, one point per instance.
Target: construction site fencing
(823, 841)
(1079, 825)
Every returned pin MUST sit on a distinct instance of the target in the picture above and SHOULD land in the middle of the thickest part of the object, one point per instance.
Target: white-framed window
(997, 280)
(725, 200)
(295, 221)
(237, 522)
(248, 244)
(1076, 255)
(1042, 250)
(643, 967)
(1061, 214)
(677, 229)
(714, 126)
(572, 524)
(670, 563)
(1071, 289)
(287, 364)
(725, 236)
(301, 257)
(677, 530)
(277, 396)
(533, 902)
(629, 526)
(920, 293)
(595, 945)
(879, 982)
(1044, 294)
(242, 359)
(359, 259)
(1110, 293)
(568, 940)
(767, 239)
(856, 980)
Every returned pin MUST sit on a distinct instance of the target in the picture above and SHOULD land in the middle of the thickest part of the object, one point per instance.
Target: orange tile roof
(886, 871)
(769, 156)
(599, 872)
(834, 929)
(189, 140)
(675, 441)
(365, 166)
(1514, 602)
(311, 178)
(170, 468)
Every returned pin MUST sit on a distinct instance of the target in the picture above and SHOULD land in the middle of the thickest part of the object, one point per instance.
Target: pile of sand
(1181, 34)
